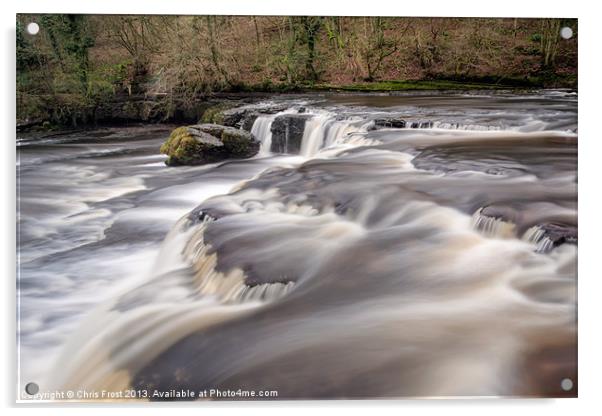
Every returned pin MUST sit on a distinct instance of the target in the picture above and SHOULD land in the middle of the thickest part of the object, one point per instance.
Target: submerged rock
(421, 124)
(389, 123)
(208, 143)
(508, 222)
(287, 133)
(398, 123)
(547, 236)
(560, 233)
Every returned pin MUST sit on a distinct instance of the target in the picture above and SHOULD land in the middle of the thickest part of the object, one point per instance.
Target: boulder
(287, 133)
(238, 143)
(208, 143)
(244, 117)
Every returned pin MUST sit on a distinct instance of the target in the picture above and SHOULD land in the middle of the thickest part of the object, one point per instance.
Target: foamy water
(374, 263)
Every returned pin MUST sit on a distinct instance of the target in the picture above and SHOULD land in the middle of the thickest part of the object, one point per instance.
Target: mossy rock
(208, 143)
(238, 115)
(239, 143)
(215, 114)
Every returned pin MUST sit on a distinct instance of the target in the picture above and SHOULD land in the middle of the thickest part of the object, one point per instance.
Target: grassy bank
(489, 83)
(484, 83)
(386, 86)
(125, 109)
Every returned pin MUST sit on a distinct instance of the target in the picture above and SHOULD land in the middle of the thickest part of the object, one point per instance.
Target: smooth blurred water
(369, 265)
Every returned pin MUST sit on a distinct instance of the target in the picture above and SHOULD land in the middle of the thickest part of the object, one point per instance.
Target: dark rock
(421, 124)
(200, 214)
(23, 125)
(208, 143)
(395, 123)
(272, 108)
(560, 233)
(239, 117)
(146, 108)
(233, 117)
(287, 133)
(249, 120)
(501, 212)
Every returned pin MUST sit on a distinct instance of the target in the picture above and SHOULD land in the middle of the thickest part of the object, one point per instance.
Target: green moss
(183, 147)
(187, 150)
(461, 83)
(235, 143)
(215, 114)
(410, 86)
(173, 142)
(268, 86)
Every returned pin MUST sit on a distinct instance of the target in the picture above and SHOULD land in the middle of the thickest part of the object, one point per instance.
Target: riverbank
(127, 109)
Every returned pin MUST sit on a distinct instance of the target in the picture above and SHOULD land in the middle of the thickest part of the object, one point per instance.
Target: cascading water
(373, 261)
(494, 227)
(321, 130)
(262, 130)
(313, 135)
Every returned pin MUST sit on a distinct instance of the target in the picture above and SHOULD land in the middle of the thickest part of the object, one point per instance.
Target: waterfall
(534, 234)
(491, 226)
(184, 294)
(537, 235)
(321, 130)
(321, 258)
(545, 245)
(228, 287)
(313, 135)
(460, 126)
(325, 130)
(262, 130)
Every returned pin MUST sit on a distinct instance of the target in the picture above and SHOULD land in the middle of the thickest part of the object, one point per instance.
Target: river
(433, 259)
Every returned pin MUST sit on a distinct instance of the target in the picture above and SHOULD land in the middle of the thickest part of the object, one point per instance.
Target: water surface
(430, 261)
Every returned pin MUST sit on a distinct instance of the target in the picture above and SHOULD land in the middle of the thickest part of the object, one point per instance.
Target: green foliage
(78, 62)
(27, 56)
(116, 73)
(70, 41)
(412, 85)
(53, 80)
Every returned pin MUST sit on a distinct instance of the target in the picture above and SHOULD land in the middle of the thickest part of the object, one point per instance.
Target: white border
(590, 201)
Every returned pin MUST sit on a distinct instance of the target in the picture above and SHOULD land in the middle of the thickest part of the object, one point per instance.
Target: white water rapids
(433, 259)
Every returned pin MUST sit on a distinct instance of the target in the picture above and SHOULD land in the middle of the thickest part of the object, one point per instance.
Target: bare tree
(550, 31)
(141, 37)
